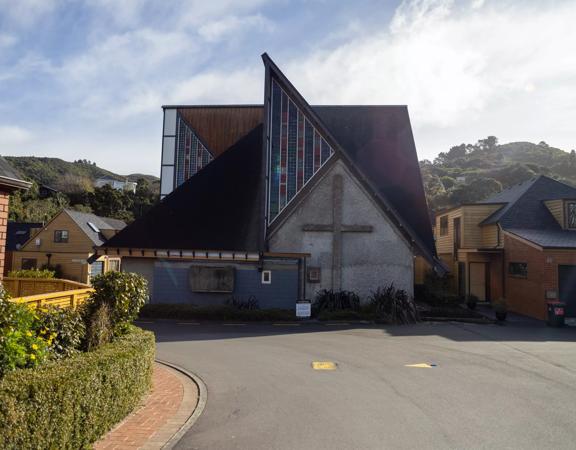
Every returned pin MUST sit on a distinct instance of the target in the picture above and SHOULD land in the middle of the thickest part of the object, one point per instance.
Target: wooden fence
(23, 287)
(63, 299)
(39, 292)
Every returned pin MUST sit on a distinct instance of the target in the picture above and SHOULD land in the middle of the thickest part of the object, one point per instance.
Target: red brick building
(519, 245)
(9, 182)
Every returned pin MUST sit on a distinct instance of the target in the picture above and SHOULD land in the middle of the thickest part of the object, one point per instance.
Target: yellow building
(67, 242)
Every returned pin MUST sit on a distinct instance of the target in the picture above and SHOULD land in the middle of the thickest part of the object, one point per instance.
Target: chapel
(280, 200)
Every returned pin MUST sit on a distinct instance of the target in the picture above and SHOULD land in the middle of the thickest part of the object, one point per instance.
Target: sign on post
(303, 308)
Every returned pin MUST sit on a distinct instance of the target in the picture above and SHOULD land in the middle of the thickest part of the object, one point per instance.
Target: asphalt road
(492, 387)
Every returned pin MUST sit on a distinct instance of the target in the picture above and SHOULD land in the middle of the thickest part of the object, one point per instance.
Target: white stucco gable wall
(369, 260)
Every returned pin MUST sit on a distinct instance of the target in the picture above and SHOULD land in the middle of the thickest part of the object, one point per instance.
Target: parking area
(430, 385)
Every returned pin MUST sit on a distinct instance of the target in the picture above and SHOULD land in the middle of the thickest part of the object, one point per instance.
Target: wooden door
(477, 279)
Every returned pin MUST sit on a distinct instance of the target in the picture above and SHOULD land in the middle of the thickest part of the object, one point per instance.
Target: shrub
(124, 293)
(20, 344)
(65, 328)
(250, 304)
(32, 273)
(71, 403)
(99, 329)
(393, 305)
(436, 291)
(328, 300)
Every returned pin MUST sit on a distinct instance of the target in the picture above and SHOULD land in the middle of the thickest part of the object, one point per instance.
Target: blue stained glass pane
(292, 149)
(187, 162)
(275, 150)
(308, 150)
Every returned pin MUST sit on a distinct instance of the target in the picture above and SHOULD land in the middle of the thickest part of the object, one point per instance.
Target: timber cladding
(556, 208)
(221, 127)
(472, 234)
(77, 241)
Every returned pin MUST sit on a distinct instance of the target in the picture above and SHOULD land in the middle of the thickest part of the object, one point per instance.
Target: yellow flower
(28, 334)
(34, 347)
(32, 357)
(43, 331)
(53, 335)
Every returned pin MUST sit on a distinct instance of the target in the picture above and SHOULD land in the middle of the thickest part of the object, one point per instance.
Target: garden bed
(71, 403)
(219, 313)
(450, 312)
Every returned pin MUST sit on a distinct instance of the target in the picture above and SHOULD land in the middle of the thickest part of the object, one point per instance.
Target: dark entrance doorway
(567, 288)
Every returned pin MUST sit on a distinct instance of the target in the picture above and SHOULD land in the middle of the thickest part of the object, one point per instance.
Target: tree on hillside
(475, 191)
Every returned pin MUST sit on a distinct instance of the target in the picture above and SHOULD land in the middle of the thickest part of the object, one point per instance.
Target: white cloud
(11, 135)
(458, 67)
(220, 29)
(240, 86)
(7, 40)
(24, 13)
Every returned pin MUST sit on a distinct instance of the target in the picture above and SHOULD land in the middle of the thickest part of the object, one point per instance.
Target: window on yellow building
(61, 236)
(443, 225)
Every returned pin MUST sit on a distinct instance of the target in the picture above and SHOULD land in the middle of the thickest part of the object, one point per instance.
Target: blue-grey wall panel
(171, 286)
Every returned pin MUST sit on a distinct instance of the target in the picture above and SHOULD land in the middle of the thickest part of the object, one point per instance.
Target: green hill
(66, 176)
(470, 172)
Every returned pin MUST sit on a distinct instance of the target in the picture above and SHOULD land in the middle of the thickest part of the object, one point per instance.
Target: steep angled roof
(216, 209)
(101, 223)
(380, 142)
(525, 208)
(400, 200)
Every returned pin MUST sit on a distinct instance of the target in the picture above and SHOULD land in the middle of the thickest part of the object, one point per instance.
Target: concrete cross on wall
(337, 228)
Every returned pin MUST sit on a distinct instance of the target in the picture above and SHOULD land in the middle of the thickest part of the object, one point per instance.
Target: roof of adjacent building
(216, 209)
(83, 220)
(18, 233)
(525, 214)
(10, 178)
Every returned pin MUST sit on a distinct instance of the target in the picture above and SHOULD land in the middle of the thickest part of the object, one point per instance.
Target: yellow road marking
(421, 365)
(323, 365)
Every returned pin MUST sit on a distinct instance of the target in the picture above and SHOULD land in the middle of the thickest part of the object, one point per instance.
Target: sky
(86, 79)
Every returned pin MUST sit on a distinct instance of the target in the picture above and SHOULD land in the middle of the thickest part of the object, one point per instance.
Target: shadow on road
(522, 331)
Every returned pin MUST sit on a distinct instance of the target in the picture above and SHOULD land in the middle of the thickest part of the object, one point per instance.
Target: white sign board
(303, 309)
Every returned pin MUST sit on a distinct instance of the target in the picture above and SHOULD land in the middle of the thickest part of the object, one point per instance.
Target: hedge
(70, 404)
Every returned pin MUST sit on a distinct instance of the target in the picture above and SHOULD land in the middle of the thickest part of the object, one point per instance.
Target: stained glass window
(191, 154)
(572, 215)
(296, 150)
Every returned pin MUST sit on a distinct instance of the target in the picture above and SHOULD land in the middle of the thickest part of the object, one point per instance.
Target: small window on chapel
(61, 236)
(443, 225)
(266, 277)
(571, 215)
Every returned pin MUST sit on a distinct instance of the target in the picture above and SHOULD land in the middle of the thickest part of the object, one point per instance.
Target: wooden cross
(337, 228)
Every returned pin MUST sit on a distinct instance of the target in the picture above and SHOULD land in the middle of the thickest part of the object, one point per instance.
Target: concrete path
(493, 386)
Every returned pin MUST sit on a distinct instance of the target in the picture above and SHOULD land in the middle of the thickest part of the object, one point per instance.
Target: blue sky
(87, 78)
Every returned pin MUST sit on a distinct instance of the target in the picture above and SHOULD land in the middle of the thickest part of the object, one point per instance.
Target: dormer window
(571, 215)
